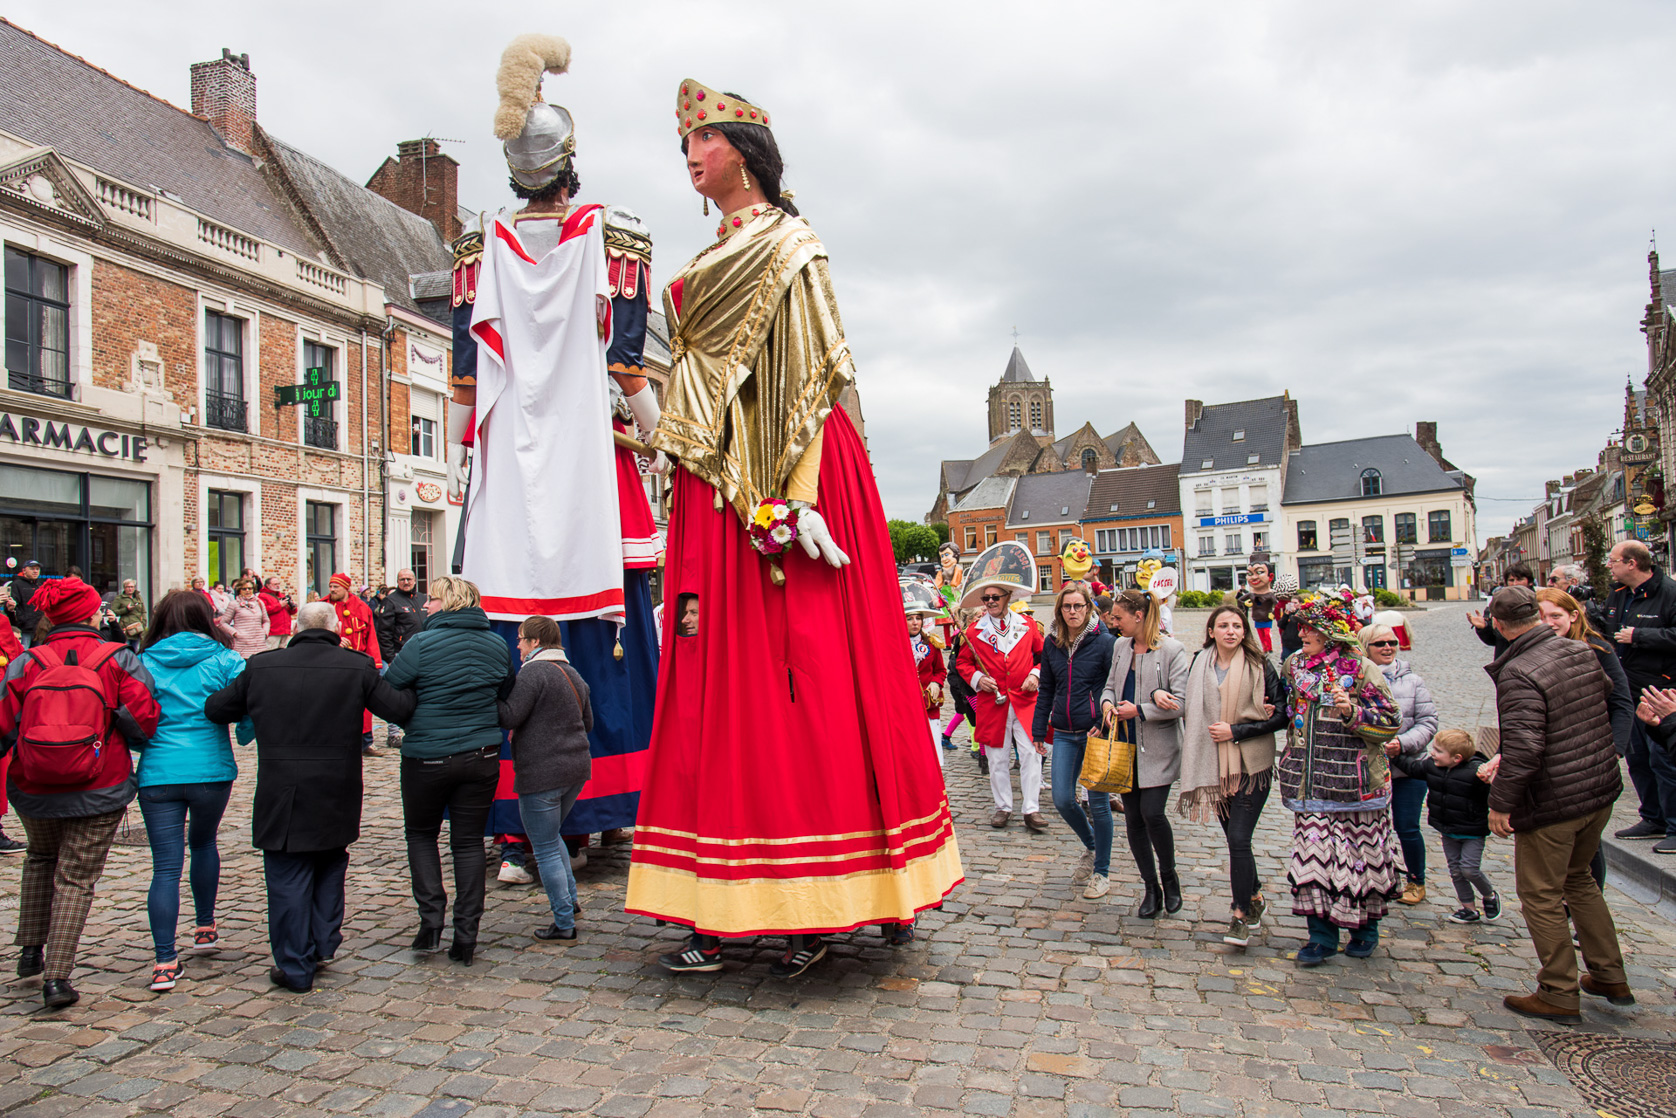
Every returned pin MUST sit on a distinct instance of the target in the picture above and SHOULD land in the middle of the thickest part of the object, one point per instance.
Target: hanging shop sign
(314, 393)
(28, 431)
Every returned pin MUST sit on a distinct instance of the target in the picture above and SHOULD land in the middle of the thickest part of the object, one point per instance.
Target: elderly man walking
(1554, 792)
(306, 701)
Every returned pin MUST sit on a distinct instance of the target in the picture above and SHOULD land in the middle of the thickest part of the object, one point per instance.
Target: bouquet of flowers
(773, 527)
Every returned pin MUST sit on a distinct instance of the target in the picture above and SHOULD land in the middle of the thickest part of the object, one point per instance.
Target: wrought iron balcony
(41, 386)
(225, 412)
(321, 432)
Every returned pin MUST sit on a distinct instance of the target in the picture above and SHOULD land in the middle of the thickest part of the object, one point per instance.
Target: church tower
(1020, 402)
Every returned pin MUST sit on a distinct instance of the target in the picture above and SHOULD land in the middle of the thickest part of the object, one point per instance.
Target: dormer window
(1064, 510)
(1207, 464)
(1149, 504)
(1239, 434)
(1253, 459)
(1025, 515)
(1372, 483)
(1114, 508)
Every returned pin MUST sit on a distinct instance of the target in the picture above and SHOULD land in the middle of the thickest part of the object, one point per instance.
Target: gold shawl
(758, 359)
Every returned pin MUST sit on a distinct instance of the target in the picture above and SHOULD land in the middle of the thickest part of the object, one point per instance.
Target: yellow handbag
(1108, 762)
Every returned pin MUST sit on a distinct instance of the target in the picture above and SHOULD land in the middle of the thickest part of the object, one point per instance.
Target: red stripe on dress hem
(686, 922)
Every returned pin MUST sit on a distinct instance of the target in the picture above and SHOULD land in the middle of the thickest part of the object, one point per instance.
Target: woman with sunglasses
(1414, 734)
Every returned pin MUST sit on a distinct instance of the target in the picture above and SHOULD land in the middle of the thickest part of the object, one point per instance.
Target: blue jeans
(1653, 772)
(1068, 750)
(1325, 932)
(544, 814)
(1408, 795)
(178, 816)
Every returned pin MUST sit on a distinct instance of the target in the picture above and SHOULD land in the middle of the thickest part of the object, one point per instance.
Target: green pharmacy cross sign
(313, 393)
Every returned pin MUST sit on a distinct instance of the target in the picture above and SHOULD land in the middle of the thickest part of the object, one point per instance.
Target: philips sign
(1228, 521)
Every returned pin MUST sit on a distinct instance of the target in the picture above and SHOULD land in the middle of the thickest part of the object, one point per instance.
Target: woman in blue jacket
(1076, 658)
(186, 773)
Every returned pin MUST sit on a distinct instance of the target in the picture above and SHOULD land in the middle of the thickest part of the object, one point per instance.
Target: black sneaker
(803, 953)
(694, 957)
(983, 760)
(1465, 915)
(1642, 830)
(1492, 906)
(10, 845)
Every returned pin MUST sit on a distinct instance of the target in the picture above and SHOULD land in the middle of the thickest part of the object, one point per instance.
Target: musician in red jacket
(1000, 661)
(933, 673)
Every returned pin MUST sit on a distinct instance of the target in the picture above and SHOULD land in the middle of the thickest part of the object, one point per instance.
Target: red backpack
(66, 716)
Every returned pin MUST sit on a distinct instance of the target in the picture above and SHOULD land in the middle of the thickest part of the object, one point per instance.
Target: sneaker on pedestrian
(371, 751)
(579, 860)
(165, 975)
(802, 953)
(948, 742)
(10, 845)
(205, 937)
(1085, 867)
(1313, 954)
(1413, 893)
(1097, 887)
(1238, 933)
(1258, 907)
(511, 874)
(1492, 906)
(695, 956)
(1642, 830)
(1464, 915)
(1668, 846)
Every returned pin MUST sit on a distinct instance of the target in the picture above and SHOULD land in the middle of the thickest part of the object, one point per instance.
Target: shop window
(37, 325)
(320, 430)
(1373, 576)
(1437, 526)
(224, 403)
(320, 526)
(1373, 529)
(1372, 484)
(1406, 527)
(100, 524)
(224, 520)
(1316, 573)
(1306, 535)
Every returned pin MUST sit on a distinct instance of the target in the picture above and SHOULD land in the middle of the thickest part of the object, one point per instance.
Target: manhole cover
(1623, 1077)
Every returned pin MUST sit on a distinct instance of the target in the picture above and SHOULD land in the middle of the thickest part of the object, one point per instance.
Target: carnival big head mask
(1145, 569)
(1076, 560)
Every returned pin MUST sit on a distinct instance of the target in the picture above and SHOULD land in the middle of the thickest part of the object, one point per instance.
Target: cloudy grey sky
(1432, 210)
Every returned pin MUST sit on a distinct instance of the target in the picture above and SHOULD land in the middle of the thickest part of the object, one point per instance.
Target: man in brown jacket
(1554, 794)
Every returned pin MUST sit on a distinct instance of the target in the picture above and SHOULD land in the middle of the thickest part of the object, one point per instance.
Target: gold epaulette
(468, 248)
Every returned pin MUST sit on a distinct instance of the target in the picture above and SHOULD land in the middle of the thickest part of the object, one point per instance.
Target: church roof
(1017, 370)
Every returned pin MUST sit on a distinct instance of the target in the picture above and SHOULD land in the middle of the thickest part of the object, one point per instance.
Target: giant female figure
(789, 790)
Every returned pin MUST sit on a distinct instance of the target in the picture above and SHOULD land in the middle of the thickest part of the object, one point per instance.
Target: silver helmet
(539, 153)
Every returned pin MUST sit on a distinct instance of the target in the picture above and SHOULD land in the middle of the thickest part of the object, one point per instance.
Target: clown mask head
(1076, 560)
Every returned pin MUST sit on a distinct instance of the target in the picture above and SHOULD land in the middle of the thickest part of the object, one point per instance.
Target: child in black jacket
(1458, 808)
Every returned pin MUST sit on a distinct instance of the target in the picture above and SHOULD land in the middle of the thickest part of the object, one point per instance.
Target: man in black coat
(396, 617)
(24, 585)
(1641, 623)
(306, 701)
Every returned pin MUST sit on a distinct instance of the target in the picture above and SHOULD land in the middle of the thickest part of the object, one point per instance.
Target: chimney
(224, 93)
(422, 180)
(1425, 433)
(1195, 408)
(1294, 429)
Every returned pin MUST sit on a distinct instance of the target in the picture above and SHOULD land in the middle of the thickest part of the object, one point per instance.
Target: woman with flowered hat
(789, 790)
(1334, 777)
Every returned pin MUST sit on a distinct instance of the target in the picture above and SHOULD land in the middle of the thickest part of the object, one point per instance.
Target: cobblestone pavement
(1020, 998)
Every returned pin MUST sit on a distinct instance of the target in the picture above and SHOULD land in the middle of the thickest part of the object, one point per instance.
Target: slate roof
(1212, 438)
(1040, 497)
(375, 238)
(1667, 284)
(990, 493)
(964, 472)
(1017, 370)
(1333, 471)
(54, 99)
(1122, 493)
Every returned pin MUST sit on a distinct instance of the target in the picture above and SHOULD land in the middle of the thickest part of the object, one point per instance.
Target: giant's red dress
(789, 789)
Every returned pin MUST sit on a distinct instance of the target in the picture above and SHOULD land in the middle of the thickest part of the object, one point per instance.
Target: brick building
(1131, 512)
(165, 272)
(1044, 516)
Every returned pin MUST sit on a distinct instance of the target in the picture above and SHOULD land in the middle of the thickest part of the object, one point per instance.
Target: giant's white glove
(815, 538)
(644, 406)
(659, 464)
(459, 468)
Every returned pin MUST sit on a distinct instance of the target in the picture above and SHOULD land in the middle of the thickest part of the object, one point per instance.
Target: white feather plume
(518, 80)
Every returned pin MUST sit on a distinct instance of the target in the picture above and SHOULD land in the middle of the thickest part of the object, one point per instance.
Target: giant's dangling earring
(706, 205)
(743, 177)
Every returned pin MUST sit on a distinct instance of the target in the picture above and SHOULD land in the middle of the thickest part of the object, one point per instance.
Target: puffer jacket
(459, 669)
(188, 748)
(248, 619)
(1558, 761)
(1419, 713)
(1457, 802)
(1069, 699)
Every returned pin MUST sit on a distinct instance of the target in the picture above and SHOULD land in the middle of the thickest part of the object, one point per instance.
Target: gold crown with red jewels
(697, 105)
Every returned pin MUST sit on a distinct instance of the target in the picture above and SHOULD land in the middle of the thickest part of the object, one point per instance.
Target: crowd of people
(1366, 752)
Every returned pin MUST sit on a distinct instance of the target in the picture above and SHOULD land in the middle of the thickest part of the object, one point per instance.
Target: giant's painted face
(1145, 569)
(1076, 560)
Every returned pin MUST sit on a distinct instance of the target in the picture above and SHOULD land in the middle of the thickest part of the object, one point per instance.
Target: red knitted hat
(66, 601)
(341, 579)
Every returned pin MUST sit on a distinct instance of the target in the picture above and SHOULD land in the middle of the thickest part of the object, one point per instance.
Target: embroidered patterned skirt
(1345, 867)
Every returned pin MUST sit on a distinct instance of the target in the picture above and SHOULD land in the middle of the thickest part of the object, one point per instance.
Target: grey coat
(1414, 704)
(550, 717)
(1158, 731)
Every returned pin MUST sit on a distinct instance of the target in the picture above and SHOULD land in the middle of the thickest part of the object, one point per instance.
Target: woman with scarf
(1236, 703)
(1076, 659)
(1143, 696)
(797, 798)
(1335, 778)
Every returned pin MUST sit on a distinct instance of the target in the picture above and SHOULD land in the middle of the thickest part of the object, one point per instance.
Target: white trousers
(1001, 766)
(936, 725)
